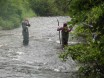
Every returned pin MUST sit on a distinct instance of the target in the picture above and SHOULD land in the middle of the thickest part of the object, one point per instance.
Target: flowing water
(40, 58)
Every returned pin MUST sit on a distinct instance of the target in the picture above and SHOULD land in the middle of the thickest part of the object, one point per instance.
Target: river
(40, 58)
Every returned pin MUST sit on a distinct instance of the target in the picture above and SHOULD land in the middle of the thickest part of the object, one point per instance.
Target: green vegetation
(49, 7)
(88, 15)
(12, 12)
(43, 7)
(62, 6)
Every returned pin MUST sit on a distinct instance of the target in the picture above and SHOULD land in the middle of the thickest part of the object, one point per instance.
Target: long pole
(59, 32)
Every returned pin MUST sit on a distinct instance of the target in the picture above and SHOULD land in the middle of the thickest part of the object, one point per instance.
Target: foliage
(88, 16)
(44, 7)
(88, 54)
(63, 6)
(12, 12)
(50, 7)
(91, 13)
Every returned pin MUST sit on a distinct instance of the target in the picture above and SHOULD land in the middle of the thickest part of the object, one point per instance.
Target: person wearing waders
(65, 34)
(25, 32)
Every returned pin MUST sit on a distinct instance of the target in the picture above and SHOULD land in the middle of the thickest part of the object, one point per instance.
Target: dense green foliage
(50, 7)
(44, 7)
(12, 12)
(63, 6)
(88, 15)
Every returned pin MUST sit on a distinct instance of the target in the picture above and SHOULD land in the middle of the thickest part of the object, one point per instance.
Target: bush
(90, 55)
(88, 15)
(44, 7)
(12, 12)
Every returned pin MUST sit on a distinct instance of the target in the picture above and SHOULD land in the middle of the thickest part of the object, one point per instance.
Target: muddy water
(40, 58)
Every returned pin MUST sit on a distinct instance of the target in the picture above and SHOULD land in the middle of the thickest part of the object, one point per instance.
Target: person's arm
(59, 28)
(28, 24)
(70, 29)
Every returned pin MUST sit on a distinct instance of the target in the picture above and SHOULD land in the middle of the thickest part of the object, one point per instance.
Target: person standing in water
(65, 34)
(25, 32)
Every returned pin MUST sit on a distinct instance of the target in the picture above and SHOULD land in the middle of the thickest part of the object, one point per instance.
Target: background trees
(88, 15)
(12, 12)
(63, 6)
(50, 7)
(43, 7)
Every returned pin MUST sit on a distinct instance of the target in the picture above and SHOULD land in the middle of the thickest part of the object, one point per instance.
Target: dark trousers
(64, 42)
(25, 37)
(65, 36)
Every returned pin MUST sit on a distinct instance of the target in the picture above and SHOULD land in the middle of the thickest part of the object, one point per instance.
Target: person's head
(65, 25)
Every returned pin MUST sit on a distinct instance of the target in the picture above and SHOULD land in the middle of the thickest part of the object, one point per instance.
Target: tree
(44, 7)
(63, 6)
(12, 12)
(88, 15)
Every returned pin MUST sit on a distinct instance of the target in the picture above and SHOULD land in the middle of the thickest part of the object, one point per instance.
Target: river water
(40, 58)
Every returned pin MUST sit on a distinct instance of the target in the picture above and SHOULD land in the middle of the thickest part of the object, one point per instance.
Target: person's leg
(23, 33)
(63, 42)
(25, 38)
